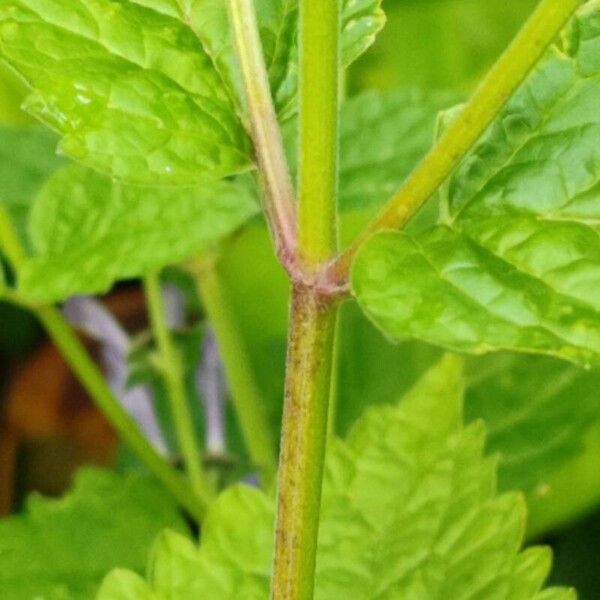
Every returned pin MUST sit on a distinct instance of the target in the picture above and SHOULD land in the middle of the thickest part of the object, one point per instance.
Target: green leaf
(131, 90)
(516, 263)
(147, 90)
(27, 159)
(60, 549)
(409, 511)
(537, 411)
(89, 232)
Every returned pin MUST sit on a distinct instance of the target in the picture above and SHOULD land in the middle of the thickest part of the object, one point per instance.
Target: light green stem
(278, 192)
(94, 383)
(312, 320)
(90, 376)
(319, 108)
(492, 94)
(170, 361)
(247, 399)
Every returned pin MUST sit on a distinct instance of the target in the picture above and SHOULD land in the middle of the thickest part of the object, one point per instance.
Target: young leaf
(89, 232)
(60, 549)
(27, 159)
(516, 264)
(409, 511)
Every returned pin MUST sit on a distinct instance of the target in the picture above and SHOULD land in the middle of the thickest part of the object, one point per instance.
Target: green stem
(247, 399)
(319, 108)
(278, 192)
(313, 317)
(304, 437)
(489, 98)
(94, 383)
(170, 362)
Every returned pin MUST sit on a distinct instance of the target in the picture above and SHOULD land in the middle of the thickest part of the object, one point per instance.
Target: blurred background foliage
(543, 415)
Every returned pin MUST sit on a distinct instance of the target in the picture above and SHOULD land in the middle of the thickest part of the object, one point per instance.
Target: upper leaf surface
(147, 90)
(60, 549)
(130, 89)
(89, 232)
(409, 511)
(516, 263)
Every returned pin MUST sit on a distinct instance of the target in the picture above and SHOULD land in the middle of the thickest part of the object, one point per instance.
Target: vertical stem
(304, 437)
(278, 192)
(172, 370)
(319, 108)
(312, 321)
(246, 396)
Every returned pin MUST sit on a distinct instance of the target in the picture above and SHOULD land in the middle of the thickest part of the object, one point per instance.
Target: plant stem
(246, 396)
(492, 94)
(94, 383)
(278, 192)
(304, 436)
(319, 108)
(90, 376)
(313, 316)
(172, 370)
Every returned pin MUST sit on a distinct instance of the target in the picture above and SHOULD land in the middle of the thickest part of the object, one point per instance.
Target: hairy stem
(247, 399)
(94, 383)
(278, 192)
(304, 436)
(312, 321)
(489, 98)
(172, 371)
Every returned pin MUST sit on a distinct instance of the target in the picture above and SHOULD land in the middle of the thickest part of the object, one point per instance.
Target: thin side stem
(278, 192)
(304, 438)
(171, 367)
(93, 381)
(313, 316)
(489, 98)
(247, 399)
